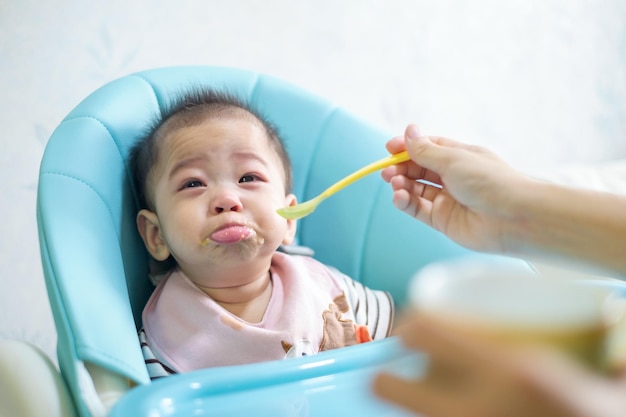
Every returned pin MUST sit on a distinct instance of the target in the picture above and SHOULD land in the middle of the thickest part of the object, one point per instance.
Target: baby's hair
(191, 108)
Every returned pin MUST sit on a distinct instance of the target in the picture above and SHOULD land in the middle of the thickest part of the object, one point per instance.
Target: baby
(210, 176)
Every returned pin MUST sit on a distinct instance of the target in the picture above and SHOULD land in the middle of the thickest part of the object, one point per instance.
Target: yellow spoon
(306, 208)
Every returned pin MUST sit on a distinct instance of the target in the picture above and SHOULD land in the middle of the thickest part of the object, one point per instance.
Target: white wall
(541, 82)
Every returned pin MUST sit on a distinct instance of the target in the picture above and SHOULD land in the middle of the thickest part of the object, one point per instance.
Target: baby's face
(216, 189)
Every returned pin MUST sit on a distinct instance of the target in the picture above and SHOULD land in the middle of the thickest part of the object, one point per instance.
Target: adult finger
(413, 198)
(441, 339)
(416, 396)
(430, 152)
(395, 144)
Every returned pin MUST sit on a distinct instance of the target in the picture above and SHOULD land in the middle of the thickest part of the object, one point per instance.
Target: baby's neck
(248, 302)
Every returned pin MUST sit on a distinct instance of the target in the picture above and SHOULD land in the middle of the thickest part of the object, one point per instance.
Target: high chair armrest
(31, 384)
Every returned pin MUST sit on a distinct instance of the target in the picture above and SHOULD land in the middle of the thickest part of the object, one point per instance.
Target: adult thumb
(421, 148)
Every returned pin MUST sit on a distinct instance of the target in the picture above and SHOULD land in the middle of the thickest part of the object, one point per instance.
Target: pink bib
(307, 312)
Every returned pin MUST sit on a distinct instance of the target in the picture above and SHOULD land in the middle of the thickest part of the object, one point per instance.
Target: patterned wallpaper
(542, 82)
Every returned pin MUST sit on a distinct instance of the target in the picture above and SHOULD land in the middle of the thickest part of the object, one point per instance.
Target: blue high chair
(96, 266)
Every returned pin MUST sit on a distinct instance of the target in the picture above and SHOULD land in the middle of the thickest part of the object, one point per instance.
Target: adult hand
(475, 202)
(470, 377)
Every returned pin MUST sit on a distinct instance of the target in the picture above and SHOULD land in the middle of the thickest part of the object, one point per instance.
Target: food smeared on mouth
(231, 234)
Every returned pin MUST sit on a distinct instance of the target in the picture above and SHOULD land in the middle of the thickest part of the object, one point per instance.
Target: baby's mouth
(229, 234)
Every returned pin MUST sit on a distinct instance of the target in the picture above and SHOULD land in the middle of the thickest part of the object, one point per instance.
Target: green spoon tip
(290, 214)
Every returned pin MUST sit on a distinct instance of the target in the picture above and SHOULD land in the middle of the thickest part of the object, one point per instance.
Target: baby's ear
(290, 234)
(150, 231)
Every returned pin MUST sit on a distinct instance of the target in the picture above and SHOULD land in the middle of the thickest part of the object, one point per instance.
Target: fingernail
(414, 132)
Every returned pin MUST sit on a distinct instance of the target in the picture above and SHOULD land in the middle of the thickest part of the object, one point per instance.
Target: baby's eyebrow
(200, 159)
(185, 163)
(251, 155)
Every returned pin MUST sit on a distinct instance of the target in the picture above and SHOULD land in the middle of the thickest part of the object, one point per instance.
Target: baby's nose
(226, 202)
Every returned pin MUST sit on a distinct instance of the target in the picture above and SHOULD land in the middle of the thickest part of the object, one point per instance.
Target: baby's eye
(247, 178)
(192, 184)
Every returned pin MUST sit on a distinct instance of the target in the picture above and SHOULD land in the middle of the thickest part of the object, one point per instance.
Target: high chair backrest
(94, 261)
